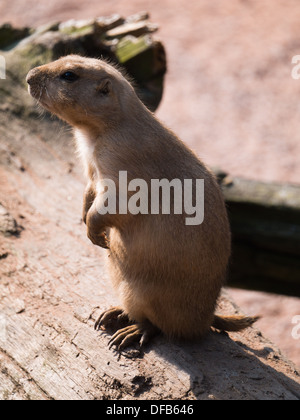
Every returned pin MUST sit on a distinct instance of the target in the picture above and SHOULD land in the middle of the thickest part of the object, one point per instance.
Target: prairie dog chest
(86, 152)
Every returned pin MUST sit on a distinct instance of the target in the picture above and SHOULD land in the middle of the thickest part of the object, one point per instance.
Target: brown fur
(164, 271)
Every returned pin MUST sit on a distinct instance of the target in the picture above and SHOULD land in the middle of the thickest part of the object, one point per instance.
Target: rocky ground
(229, 95)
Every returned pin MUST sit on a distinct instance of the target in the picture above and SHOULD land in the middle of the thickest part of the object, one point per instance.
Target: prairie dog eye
(69, 76)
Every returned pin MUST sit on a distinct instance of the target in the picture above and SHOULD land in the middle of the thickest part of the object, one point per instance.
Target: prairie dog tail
(233, 323)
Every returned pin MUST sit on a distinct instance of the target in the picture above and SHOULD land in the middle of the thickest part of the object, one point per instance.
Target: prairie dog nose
(31, 75)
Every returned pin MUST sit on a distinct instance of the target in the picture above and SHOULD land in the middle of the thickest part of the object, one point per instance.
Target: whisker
(47, 92)
(41, 92)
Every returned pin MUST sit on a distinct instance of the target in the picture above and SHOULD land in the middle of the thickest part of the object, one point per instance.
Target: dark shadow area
(220, 368)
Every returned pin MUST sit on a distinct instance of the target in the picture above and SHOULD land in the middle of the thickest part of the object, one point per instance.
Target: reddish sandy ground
(229, 95)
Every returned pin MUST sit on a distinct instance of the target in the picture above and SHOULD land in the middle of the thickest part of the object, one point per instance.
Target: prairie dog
(168, 274)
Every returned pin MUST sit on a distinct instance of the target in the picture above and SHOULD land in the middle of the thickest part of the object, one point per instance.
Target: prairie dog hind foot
(125, 331)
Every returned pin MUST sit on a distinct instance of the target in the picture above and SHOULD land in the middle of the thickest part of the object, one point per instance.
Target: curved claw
(141, 333)
(124, 337)
(113, 314)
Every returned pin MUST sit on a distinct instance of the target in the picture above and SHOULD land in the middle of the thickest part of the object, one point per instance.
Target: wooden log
(53, 285)
(9, 35)
(265, 221)
(143, 58)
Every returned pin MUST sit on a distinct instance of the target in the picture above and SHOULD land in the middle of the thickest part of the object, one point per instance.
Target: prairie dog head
(84, 92)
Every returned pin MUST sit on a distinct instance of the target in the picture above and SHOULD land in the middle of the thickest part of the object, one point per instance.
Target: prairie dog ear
(104, 87)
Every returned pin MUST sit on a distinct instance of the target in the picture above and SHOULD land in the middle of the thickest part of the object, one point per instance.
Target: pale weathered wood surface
(53, 283)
